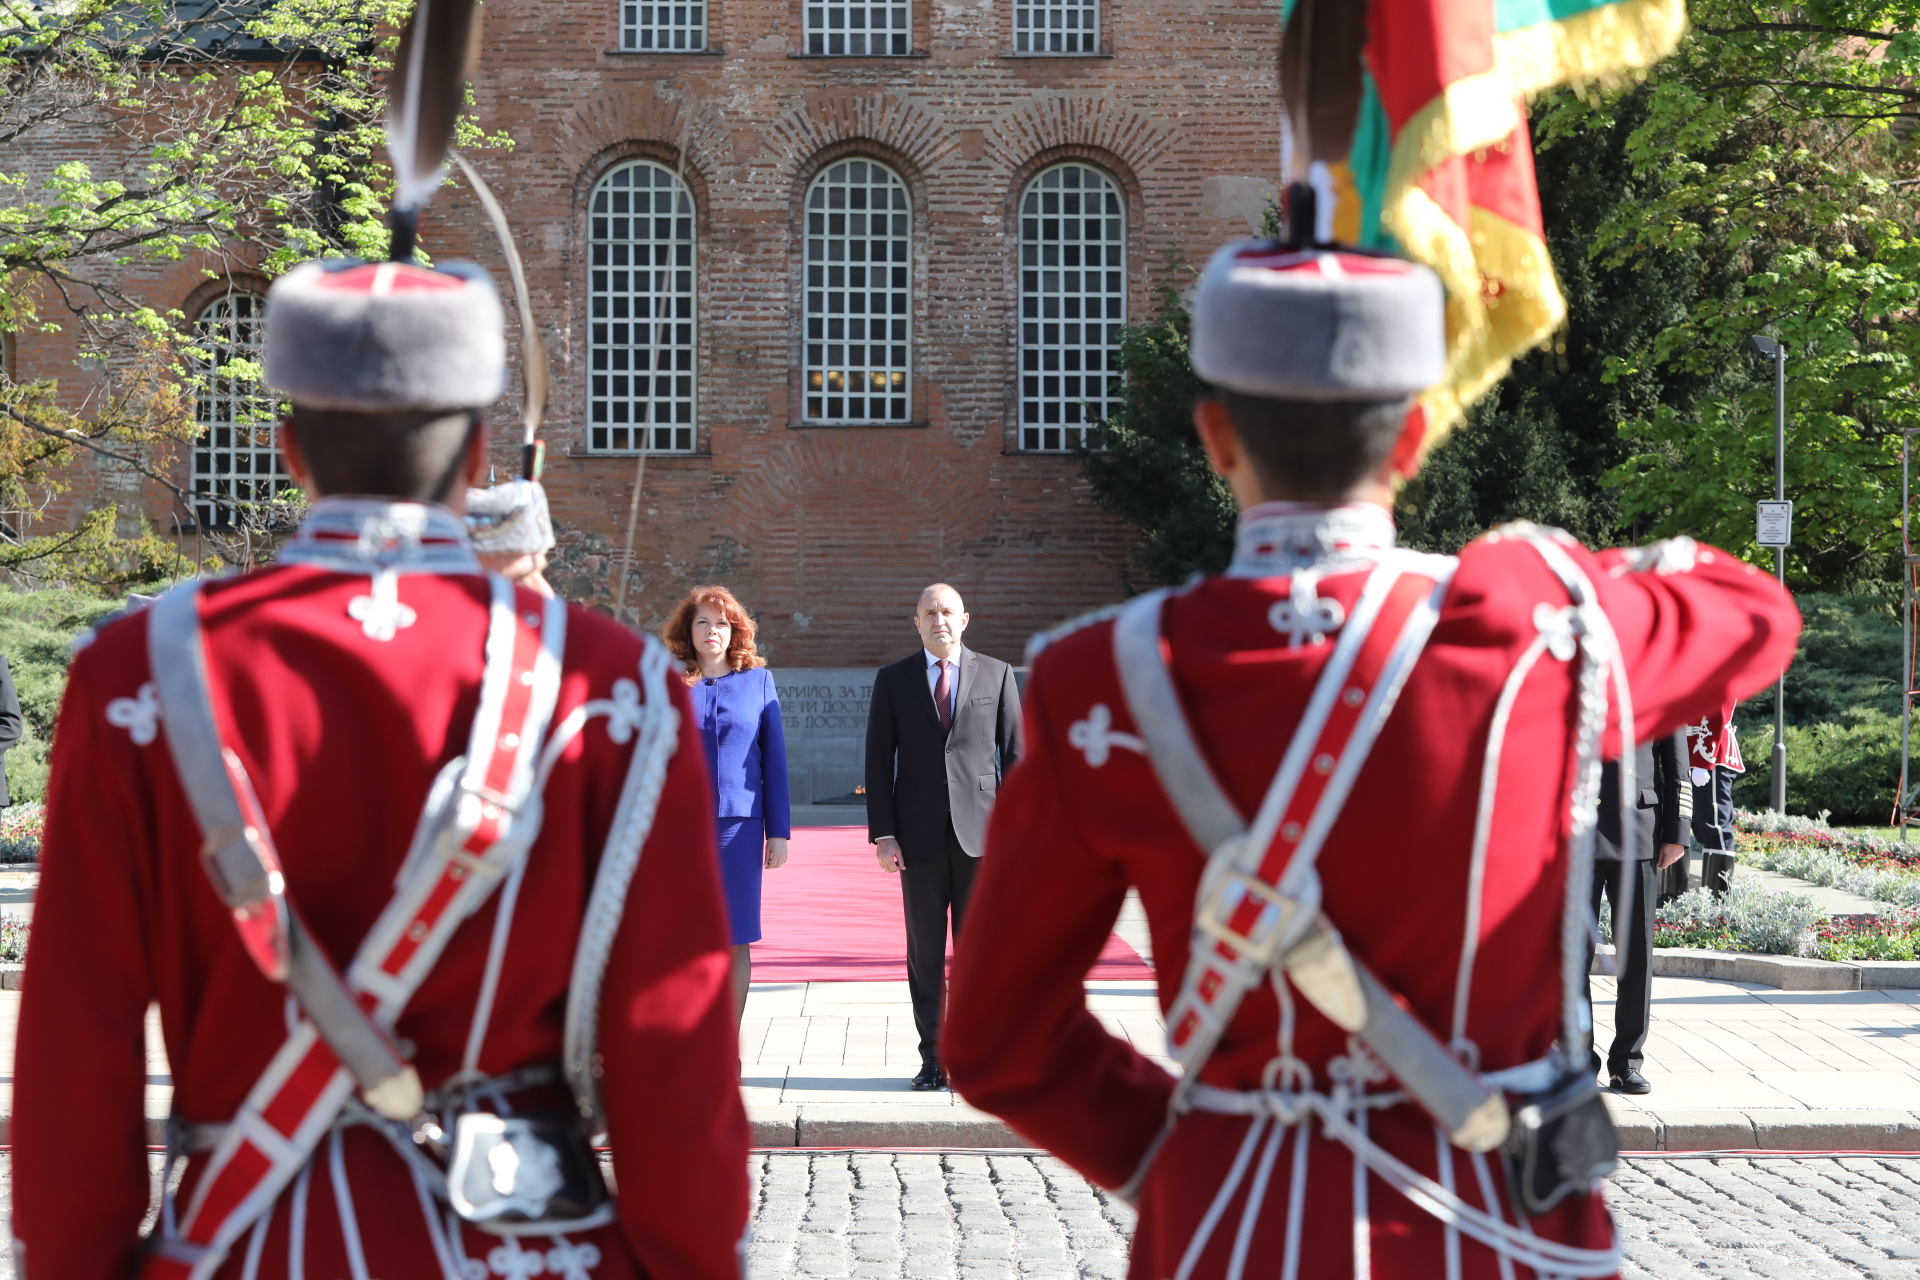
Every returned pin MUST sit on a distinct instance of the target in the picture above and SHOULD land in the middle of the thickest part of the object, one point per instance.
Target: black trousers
(1633, 961)
(1713, 812)
(930, 887)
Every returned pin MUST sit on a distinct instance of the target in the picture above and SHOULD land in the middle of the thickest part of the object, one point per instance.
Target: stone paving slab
(1832, 901)
(1734, 1065)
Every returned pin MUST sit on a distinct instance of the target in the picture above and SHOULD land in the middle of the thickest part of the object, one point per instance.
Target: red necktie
(943, 696)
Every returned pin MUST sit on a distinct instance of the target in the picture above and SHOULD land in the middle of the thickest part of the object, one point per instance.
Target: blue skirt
(743, 851)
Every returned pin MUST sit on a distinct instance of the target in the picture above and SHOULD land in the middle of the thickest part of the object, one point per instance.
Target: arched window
(859, 294)
(1073, 301)
(236, 461)
(641, 339)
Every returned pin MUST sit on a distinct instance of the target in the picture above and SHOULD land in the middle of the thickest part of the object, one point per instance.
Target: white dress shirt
(953, 679)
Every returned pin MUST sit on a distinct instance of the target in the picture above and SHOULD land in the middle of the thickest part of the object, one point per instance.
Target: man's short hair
(1314, 451)
(933, 587)
(410, 454)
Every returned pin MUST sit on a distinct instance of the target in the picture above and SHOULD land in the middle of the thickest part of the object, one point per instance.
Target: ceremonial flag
(1440, 166)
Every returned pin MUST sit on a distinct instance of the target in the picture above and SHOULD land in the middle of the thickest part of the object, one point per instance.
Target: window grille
(236, 459)
(1073, 302)
(640, 349)
(858, 295)
(857, 30)
(659, 28)
(1056, 26)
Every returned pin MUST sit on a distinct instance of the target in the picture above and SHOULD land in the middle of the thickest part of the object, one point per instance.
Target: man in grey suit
(943, 729)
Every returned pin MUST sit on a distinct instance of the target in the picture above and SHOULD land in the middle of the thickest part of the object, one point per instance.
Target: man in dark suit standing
(1663, 810)
(943, 729)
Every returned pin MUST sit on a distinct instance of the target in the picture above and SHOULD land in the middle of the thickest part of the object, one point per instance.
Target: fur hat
(509, 519)
(374, 337)
(1318, 324)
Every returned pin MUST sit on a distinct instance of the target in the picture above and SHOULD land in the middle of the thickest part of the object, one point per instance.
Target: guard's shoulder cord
(658, 726)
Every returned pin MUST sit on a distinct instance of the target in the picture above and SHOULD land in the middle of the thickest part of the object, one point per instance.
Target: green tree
(1767, 150)
(1152, 471)
(231, 134)
(1539, 446)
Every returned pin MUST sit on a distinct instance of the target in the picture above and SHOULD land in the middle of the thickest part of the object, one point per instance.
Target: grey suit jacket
(919, 775)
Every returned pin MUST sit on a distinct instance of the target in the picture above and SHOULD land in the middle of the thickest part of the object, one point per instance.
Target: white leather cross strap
(1259, 901)
(461, 851)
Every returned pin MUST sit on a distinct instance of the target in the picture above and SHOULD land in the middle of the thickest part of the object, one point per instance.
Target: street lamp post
(1776, 351)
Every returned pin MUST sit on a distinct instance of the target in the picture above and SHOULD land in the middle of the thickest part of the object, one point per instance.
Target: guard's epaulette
(1042, 639)
(1521, 530)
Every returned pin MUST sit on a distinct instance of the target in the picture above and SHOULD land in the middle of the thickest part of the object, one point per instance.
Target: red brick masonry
(827, 533)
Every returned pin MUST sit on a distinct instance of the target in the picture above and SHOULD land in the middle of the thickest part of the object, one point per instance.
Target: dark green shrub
(37, 630)
(1843, 714)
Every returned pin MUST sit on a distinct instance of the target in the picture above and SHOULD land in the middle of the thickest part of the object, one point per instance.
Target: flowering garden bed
(1770, 922)
(20, 827)
(1874, 866)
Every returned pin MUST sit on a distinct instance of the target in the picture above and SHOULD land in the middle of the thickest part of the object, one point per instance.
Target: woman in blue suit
(738, 711)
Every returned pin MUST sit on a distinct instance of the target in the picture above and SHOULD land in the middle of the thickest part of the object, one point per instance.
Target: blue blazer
(739, 719)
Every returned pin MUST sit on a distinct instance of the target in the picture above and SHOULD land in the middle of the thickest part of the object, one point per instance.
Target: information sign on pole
(1775, 524)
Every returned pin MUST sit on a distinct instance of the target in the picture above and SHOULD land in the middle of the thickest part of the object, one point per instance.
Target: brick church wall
(827, 533)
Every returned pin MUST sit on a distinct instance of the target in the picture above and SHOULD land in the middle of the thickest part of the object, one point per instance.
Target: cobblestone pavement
(1800, 1217)
(879, 1214)
(841, 1216)
(983, 1217)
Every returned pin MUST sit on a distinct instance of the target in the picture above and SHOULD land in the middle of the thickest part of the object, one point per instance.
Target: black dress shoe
(1630, 1082)
(930, 1077)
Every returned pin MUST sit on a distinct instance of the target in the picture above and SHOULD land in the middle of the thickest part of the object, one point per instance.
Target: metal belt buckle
(525, 1174)
(1272, 927)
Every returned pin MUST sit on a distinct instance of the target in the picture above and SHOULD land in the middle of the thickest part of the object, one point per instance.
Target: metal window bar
(236, 460)
(1056, 26)
(662, 28)
(858, 30)
(859, 296)
(1073, 302)
(642, 329)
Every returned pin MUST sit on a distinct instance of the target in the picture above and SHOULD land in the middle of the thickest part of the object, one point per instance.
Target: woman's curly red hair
(678, 633)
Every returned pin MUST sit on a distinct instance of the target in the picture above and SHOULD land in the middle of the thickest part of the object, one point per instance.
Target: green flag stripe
(1511, 15)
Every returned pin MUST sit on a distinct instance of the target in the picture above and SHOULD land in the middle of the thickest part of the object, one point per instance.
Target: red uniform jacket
(342, 734)
(1071, 833)
(1711, 742)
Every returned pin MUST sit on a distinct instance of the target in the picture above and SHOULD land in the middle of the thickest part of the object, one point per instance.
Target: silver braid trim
(1600, 665)
(632, 822)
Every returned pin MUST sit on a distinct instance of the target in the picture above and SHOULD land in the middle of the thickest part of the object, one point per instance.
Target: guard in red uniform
(1354, 787)
(418, 866)
(1713, 757)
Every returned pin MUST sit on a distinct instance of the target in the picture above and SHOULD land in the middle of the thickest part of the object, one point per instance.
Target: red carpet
(831, 914)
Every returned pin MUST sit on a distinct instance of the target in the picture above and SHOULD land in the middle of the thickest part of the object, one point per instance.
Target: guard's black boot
(1716, 871)
(930, 1077)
